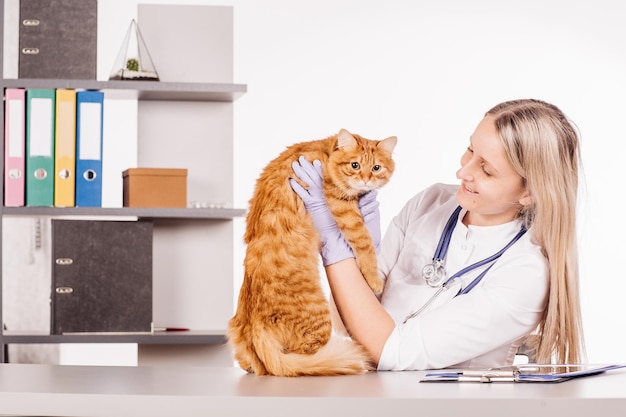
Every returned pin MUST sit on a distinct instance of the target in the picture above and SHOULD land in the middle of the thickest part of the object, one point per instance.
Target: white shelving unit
(185, 124)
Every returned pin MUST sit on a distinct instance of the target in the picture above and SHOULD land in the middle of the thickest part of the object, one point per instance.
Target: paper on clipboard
(522, 373)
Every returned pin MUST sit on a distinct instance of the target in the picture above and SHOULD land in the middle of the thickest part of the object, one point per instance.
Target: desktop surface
(63, 390)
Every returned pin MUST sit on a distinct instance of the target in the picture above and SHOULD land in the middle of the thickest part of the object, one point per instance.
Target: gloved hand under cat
(334, 246)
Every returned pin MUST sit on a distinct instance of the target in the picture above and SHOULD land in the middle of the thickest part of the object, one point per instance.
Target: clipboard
(541, 373)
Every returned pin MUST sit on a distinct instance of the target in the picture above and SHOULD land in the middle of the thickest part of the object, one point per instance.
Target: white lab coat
(483, 328)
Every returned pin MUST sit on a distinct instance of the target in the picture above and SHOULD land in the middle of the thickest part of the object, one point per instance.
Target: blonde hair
(543, 147)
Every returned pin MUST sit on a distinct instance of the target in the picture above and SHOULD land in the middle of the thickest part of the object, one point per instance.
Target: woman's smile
(468, 189)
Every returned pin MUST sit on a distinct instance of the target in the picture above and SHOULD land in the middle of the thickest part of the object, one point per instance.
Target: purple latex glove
(371, 216)
(334, 246)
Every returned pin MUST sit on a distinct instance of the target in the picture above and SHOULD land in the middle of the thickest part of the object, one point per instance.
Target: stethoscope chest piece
(434, 273)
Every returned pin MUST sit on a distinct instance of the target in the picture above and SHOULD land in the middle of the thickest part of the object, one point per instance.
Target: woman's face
(490, 190)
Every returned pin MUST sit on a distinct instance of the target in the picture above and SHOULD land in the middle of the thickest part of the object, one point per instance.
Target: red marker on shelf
(171, 329)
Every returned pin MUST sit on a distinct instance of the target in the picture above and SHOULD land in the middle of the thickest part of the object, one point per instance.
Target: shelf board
(139, 212)
(191, 337)
(140, 90)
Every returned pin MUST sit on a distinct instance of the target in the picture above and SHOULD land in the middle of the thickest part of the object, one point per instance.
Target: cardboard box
(155, 187)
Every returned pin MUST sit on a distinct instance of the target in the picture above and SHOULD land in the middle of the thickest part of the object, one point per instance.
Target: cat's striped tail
(340, 356)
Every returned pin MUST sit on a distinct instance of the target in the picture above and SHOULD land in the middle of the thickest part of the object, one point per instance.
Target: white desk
(44, 390)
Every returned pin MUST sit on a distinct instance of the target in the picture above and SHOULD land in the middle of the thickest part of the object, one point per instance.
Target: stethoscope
(435, 272)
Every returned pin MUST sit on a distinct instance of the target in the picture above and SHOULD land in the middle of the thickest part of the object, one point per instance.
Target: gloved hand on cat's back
(368, 205)
(334, 246)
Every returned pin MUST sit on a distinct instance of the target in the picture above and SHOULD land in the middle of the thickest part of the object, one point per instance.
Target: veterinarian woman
(470, 270)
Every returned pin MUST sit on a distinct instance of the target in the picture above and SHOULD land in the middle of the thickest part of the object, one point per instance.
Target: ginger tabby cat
(282, 325)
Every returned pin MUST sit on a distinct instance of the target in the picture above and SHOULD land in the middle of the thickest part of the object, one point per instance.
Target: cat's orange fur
(282, 325)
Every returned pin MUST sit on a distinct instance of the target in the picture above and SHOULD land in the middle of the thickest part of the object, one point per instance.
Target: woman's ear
(526, 199)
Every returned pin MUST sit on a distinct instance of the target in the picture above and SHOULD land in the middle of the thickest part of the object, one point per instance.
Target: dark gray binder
(58, 39)
(101, 276)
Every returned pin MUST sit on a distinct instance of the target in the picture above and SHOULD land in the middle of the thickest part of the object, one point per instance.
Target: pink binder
(14, 146)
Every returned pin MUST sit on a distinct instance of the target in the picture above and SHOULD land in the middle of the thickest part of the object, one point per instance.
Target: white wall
(426, 71)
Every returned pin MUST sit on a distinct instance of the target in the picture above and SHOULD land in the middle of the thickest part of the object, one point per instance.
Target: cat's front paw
(376, 285)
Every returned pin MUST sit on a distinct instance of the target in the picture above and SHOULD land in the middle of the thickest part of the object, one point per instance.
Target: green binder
(40, 109)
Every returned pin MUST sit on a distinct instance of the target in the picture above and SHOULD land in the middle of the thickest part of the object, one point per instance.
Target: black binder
(101, 276)
(58, 39)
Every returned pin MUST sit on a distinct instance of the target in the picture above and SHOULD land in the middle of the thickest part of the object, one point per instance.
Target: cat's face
(359, 165)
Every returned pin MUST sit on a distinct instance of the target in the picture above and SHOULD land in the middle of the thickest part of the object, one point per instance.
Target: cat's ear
(388, 144)
(345, 139)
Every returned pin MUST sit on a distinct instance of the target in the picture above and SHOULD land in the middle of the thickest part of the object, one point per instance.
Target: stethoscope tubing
(485, 261)
(440, 254)
(444, 241)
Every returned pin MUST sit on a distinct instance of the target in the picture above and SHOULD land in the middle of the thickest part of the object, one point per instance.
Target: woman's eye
(376, 168)
(355, 165)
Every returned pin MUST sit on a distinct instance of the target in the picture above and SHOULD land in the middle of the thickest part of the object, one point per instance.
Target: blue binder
(89, 120)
